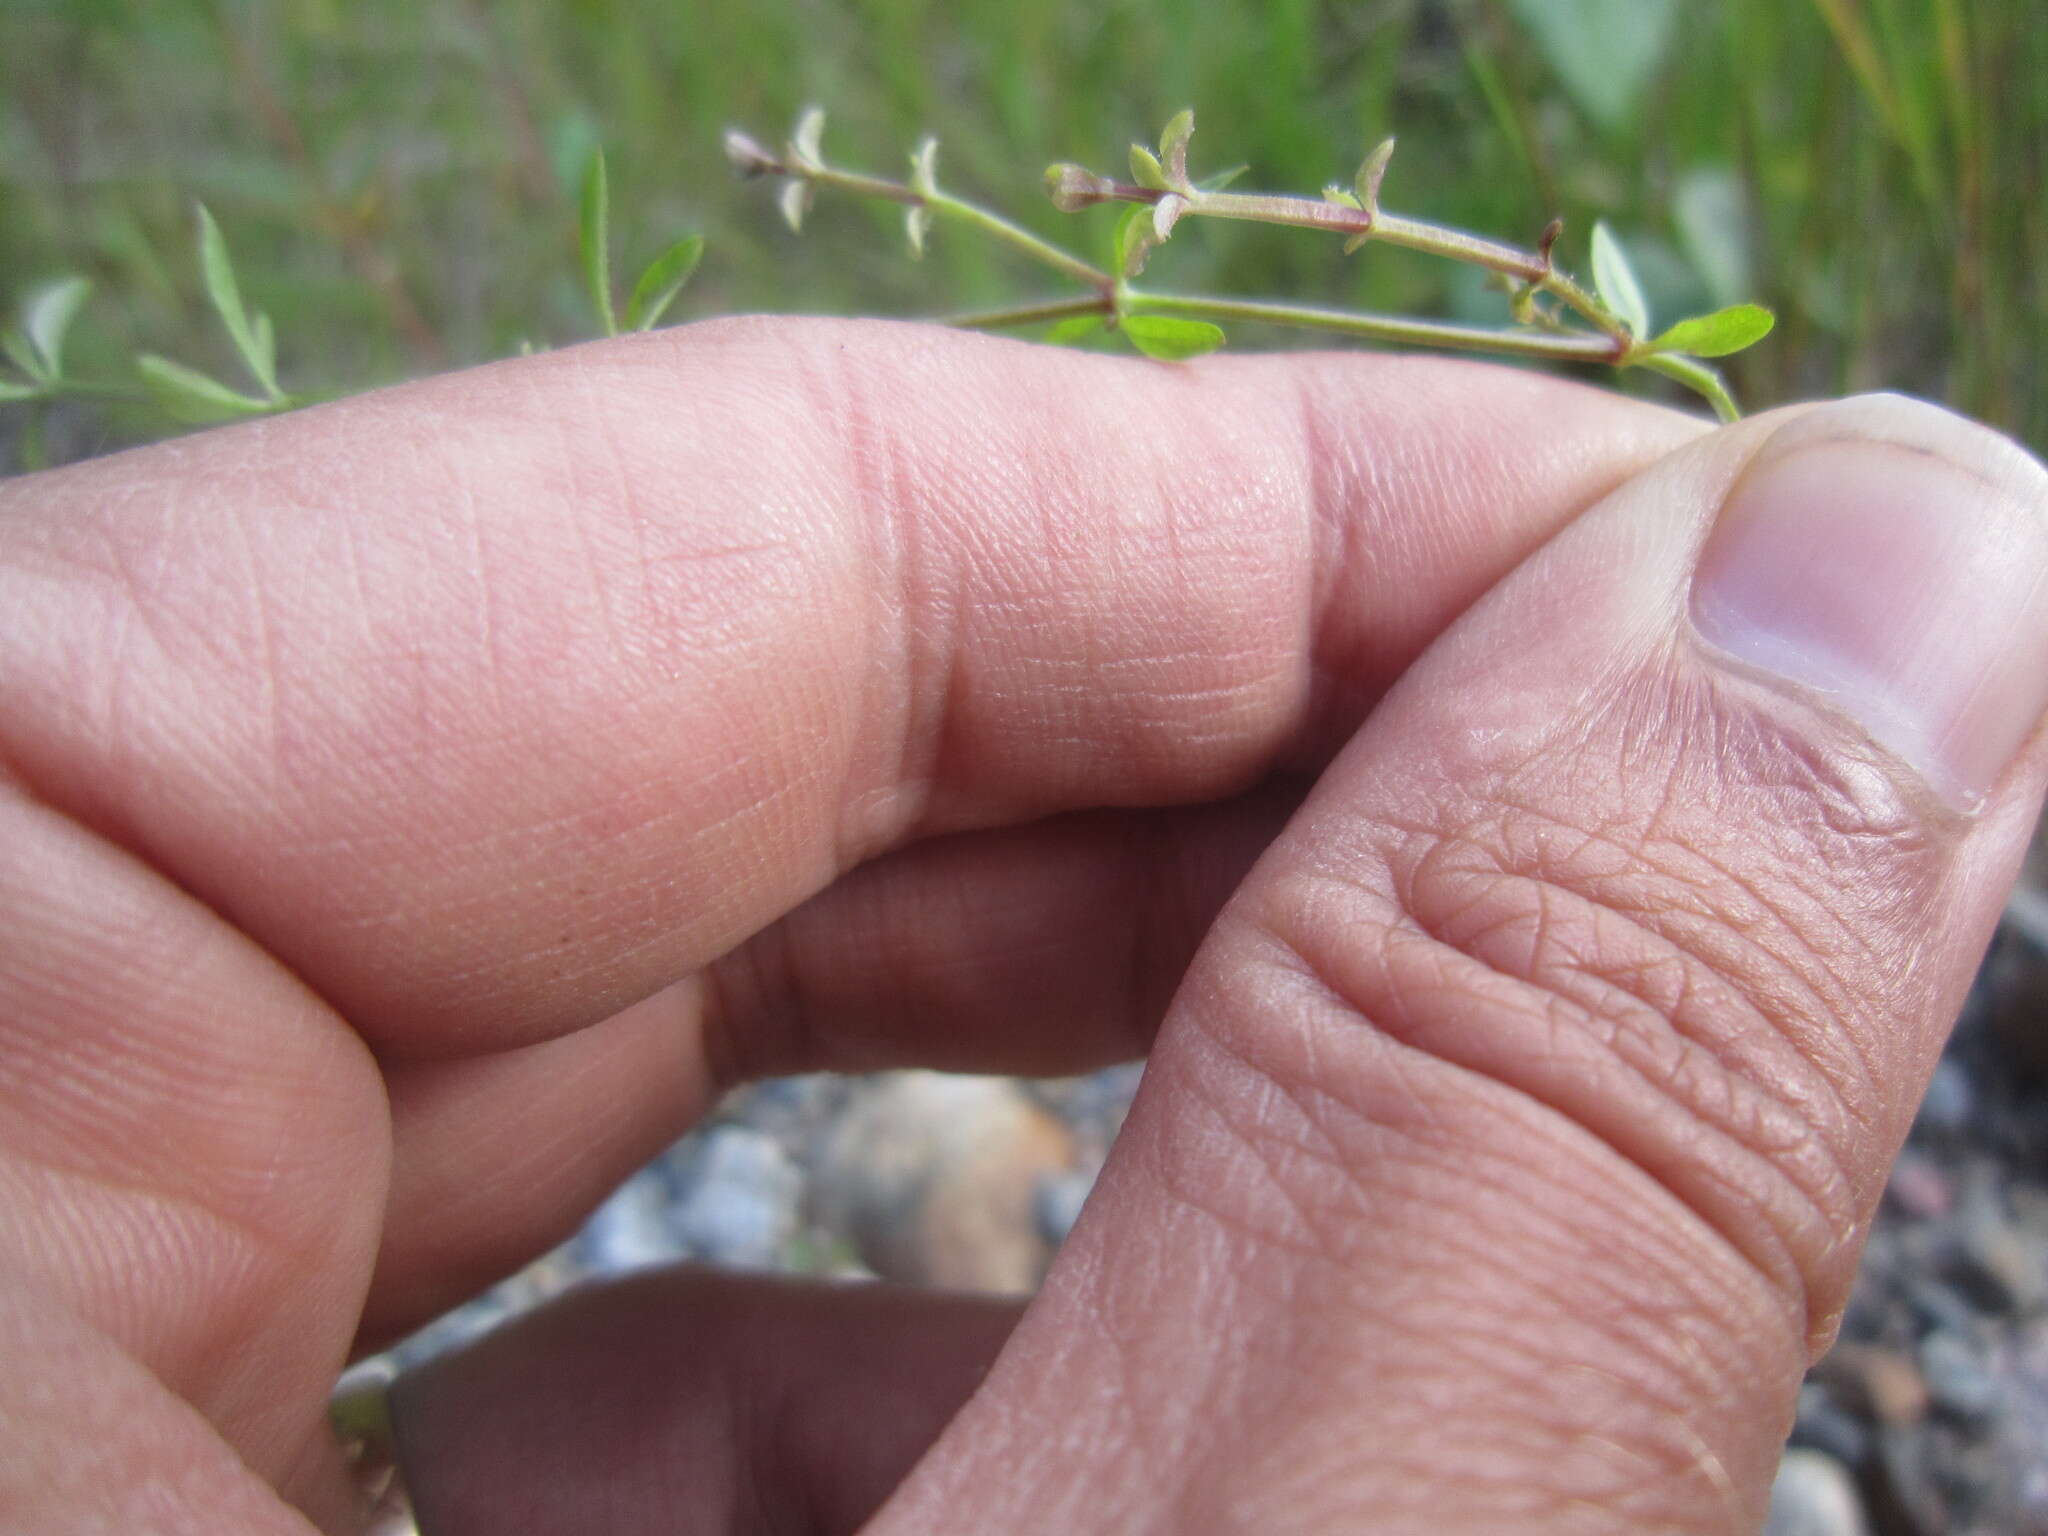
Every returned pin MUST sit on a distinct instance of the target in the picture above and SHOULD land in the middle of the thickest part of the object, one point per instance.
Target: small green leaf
(924, 167)
(1719, 334)
(917, 223)
(1616, 283)
(1170, 339)
(661, 282)
(21, 354)
(1173, 146)
(1076, 328)
(1146, 170)
(47, 313)
(11, 391)
(221, 287)
(595, 229)
(192, 396)
(1332, 193)
(805, 140)
(1371, 172)
(265, 335)
(1221, 179)
(795, 203)
(1133, 239)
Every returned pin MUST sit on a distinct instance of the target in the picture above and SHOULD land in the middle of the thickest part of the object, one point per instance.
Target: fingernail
(1892, 558)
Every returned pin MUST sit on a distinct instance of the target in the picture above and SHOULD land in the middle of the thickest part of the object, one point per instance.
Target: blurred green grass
(397, 177)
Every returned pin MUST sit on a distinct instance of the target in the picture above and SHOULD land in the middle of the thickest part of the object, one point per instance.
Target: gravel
(1929, 1418)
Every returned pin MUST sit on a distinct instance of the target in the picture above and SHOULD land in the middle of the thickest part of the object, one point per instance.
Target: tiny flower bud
(1371, 172)
(748, 157)
(1073, 188)
(1173, 148)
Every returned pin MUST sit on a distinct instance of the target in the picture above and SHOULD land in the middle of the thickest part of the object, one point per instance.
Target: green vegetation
(1553, 316)
(401, 183)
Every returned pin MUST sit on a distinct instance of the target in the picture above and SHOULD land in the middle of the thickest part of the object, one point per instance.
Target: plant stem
(1566, 347)
(1531, 267)
(1059, 260)
(1030, 314)
(1542, 334)
(1696, 376)
(945, 206)
(1315, 213)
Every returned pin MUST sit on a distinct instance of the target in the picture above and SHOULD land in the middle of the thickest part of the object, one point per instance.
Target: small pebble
(1918, 1187)
(1957, 1379)
(935, 1179)
(1950, 1105)
(2009, 1264)
(1939, 1305)
(740, 1207)
(1814, 1495)
(1825, 1425)
(1060, 1197)
(631, 1230)
(1883, 1384)
(2016, 977)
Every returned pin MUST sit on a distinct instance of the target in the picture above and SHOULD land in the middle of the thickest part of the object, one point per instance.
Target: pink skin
(418, 809)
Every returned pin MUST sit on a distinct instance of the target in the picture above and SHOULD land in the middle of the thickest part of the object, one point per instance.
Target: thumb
(1508, 1151)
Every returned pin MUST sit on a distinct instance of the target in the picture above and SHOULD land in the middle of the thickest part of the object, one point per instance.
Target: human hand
(417, 809)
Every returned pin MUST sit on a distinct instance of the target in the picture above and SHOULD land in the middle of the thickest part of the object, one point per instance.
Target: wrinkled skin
(416, 810)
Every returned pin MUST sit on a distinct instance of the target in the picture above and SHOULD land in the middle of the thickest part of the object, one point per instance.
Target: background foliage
(398, 178)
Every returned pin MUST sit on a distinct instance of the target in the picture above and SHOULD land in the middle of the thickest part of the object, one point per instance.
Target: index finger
(493, 703)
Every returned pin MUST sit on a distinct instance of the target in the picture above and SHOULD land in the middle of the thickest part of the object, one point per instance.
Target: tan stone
(934, 1179)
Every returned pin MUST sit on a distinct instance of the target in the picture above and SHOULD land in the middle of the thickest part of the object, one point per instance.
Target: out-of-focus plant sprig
(34, 343)
(658, 284)
(1555, 316)
(186, 396)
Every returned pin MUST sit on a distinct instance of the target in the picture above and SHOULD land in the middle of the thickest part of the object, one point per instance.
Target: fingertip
(687, 1400)
(1545, 1070)
(1890, 559)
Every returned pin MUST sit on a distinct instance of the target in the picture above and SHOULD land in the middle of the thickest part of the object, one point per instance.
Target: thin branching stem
(1524, 266)
(1031, 314)
(1396, 330)
(1696, 376)
(945, 206)
(1542, 331)
(962, 212)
